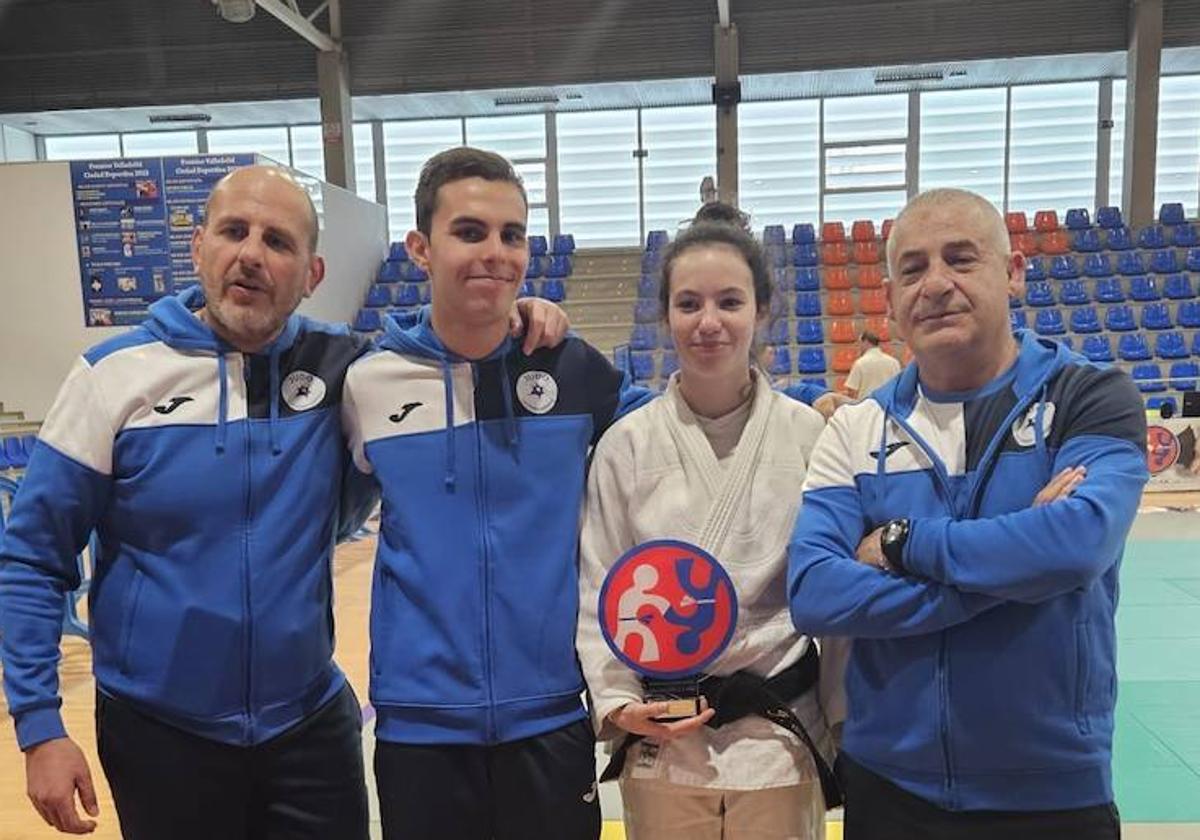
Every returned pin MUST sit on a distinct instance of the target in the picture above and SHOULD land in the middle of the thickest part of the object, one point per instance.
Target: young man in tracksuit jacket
(1005, 473)
(480, 452)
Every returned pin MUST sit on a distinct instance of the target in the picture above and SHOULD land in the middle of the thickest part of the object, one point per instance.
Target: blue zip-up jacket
(984, 677)
(475, 593)
(213, 481)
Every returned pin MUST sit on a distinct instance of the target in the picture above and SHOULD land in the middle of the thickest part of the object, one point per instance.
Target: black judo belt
(741, 694)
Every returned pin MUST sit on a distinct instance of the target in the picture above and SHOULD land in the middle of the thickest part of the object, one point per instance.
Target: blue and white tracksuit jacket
(475, 594)
(213, 480)
(984, 677)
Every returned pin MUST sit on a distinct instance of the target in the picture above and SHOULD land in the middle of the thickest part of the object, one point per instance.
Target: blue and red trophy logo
(1162, 449)
(667, 609)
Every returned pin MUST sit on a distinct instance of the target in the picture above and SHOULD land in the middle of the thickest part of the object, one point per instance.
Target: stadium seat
(1055, 242)
(390, 272)
(842, 331)
(1196, 345)
(1152, 236)
(1026, 243)
(836, 277)
(1085, 320)
(1192, 261)
(1188, 314)
(378, 296)
(1016, 222)
(803, 234)
(810, 360)
(14, 453)
(808, 331)
(1132, 347)
(1108, 290)
(1143, 289)
(409, 294)
(1038, 293)
(872, 302)
(535, 269)
(1035, 269)
(777, 332)
(839, 303)
(1178, 287)
(1073, 293)
(1097, 265)
(1086, 241)
(427, 295)
(879, 325)
(835, 253)
(1049, 322)
(1067, 341)
(643, 337)
(1014, 302)
(553, 290)
(865, 253)
(367, 320)
(807, 255)
(886, 229)
(870, 276)
(1184, 375)
(777, 255)
(1064, 267)
(1098, 348)
(397, 252)
(808, 279)
(1171, 213)
(808, 305)
(564, 243)
(843, 359)
(779, 305)
(1130, 263)
(560, 266)
(774, 235)
(1108, 217)
(651, 262)
(1149, 378)
(863, 230)
(1157, 403)
(1018, 319)
(527, 289)
(1078, 219)
(413, 273)
(1119, 239)
(1184, 236)
(833, 232)
(538, 245)
(1119, 319)
(1045, 221)
(1156, 316)
(1164, 262)
(781, 362)
(643, 366)
(647, 286)
(670, 364)
(1170, 345)
(646, 312)
(819, 381)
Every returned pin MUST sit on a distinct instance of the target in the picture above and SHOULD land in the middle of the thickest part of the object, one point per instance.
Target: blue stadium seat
(808, 279)
(1098, 348)
(1152, 236)
(1073, 293)
(379, 295)
(1188, 314)
(1196, 345)
(1097, 265)
(781, 360)
(808, 331)
(527, 289)
(560, 266)
(1143, 288)
(367, 320)
(1130, 263)
(1170, 345)
(1164, 262)
(1184, 375)
(408, 295)
(1132, 347)
(779, 305)
(554, 290)
(1119, 319)
(564, 243)
(1085, 320)
(777, 256)
(807, 255)
(1119, 239)
(1192, 261)
(1178, 287)
(648, 286)
(1067, 341)
(1086, 241)
(773, 235)
(1078, 219)
(1156, 316)
(1064, 267)
(535, 269)
(819, 381)
(14, 453)
(1049, 322)
(1149, 378)
(4, 465)
(643, 337)
(810, 360)
(777, 333)
(1108, 290)
(668, 343)
(643, 366)
(1157, 403)
(651, 262)
(413, 273)
(27, 443)
(1039, 294)
(656, 240)
(390, 272)
(1035, 269)
(1018, 319)
(1108, 217)
(1171, 213)
(808, 304)
(804, 234)
(645, 312)
(1014, 302)
(1184, 236)
(670, 364)
(538, 246)
(397, 252)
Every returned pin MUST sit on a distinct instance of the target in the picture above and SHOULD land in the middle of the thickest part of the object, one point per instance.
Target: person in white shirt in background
(870, 370)
(718, 461)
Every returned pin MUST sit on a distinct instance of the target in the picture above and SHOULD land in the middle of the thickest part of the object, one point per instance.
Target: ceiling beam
(289, 16)
(723, 13)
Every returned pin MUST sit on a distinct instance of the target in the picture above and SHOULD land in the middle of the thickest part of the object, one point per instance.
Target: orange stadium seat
(835, 277)
(870, 276)
(886, 231)
(1016, 222)
(865, 253)
(1026, 243)
(863, 230)
(843, 331)
(1055, 242)
(833, 232)
(843, 359)
(879, 325)
(1045, 221)
(839, 384)
(839, 303)
(872, 302)
(835, 253)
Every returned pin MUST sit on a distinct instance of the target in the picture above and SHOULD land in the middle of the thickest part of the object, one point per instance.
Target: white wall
(16, 145)
(41, 295)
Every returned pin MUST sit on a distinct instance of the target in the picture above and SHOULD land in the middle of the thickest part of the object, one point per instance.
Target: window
(271, 142)
(406, 147)
(159, 143)
(308, 150)
(1052, 160)
(681, 149)
(865, 156)
(1116, 163)
(364, 161)
(962, 141)
(598, 177)
(83, 147)
(1177, 175)
(521, 139)
(779, 157)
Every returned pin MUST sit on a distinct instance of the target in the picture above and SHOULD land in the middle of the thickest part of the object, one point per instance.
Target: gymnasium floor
(1157, 754)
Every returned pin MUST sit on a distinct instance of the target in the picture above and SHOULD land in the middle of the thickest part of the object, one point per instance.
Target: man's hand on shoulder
(544, 324)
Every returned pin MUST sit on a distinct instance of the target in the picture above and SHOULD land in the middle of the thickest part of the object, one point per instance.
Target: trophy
(668, 610)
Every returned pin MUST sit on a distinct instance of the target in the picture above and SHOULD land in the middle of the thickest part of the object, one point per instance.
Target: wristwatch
(891, 541)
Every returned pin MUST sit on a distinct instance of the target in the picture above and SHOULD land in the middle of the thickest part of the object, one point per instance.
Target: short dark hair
(707, 233)
(719, 211)
(455, 165)
(870, 338)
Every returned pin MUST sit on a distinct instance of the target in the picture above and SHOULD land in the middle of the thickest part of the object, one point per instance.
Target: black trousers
(541, 788)
(876, 809)
(306, 783)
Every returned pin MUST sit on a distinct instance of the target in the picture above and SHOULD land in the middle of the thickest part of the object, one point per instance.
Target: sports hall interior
(1078, 119)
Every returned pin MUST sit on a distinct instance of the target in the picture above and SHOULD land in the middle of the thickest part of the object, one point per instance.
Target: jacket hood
(411, 333)
(173, 321)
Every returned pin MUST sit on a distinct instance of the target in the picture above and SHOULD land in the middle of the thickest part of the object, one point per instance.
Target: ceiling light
(235, 11)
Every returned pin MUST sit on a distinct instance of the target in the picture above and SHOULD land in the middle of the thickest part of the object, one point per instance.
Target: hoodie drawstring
(510, 422)
(1039, 433)
(273, 417)
(448, 384)
(222, 403)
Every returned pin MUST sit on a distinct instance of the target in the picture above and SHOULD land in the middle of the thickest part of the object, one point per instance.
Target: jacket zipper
(248, 631)
(486, 571)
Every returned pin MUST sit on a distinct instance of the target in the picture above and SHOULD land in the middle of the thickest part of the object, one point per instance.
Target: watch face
(892, 532)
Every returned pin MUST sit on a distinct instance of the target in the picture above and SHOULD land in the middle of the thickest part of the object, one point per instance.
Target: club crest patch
(1162, 449)
(302, 390)
(1022, 428)
(537, 391)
